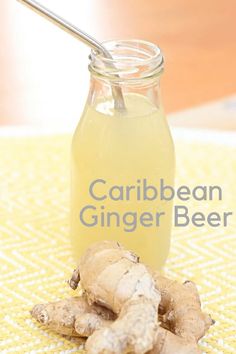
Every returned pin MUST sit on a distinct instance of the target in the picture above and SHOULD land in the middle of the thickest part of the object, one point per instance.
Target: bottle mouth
(131, 60)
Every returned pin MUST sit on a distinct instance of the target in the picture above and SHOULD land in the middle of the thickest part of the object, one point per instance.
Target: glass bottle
(117, 155)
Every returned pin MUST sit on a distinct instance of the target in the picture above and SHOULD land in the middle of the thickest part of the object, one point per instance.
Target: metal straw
(82, 36)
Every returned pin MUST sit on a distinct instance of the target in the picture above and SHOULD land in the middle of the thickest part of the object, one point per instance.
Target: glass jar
(119, 156)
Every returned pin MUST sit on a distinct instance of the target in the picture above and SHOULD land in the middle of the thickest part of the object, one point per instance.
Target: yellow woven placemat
(35, 255)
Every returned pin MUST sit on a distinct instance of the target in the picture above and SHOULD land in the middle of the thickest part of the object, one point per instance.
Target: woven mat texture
(35, 254)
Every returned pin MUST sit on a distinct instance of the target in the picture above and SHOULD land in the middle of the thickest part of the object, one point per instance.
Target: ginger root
(119, 309)
(113, 277)
(180, 309)
(168, 343)
(69, 317)
(73, 316)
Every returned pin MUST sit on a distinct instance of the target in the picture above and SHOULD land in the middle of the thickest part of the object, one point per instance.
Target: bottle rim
(131, 60)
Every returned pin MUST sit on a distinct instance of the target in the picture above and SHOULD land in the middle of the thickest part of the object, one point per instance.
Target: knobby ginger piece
(72, 317)
(168, 343)
(69, 317)
(119, 309)
(180, 309)
(113, 277)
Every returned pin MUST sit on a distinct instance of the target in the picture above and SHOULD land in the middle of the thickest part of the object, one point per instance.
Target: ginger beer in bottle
(115, 148)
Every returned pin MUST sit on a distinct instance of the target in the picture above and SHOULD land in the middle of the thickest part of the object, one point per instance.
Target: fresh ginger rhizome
(104, 196)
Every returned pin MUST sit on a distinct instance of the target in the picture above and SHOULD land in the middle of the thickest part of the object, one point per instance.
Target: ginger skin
(113, 277)
(69, 317)
(180, 309)
(73, 316)
(168, 343)
(119, 309)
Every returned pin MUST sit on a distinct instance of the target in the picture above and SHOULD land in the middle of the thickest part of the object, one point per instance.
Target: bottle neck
(134, 68)
(101, 90)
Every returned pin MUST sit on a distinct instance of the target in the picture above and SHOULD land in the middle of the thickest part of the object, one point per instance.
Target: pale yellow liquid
(121, 149)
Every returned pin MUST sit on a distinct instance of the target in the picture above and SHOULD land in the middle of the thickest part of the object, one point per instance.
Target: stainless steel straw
(82, 36)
